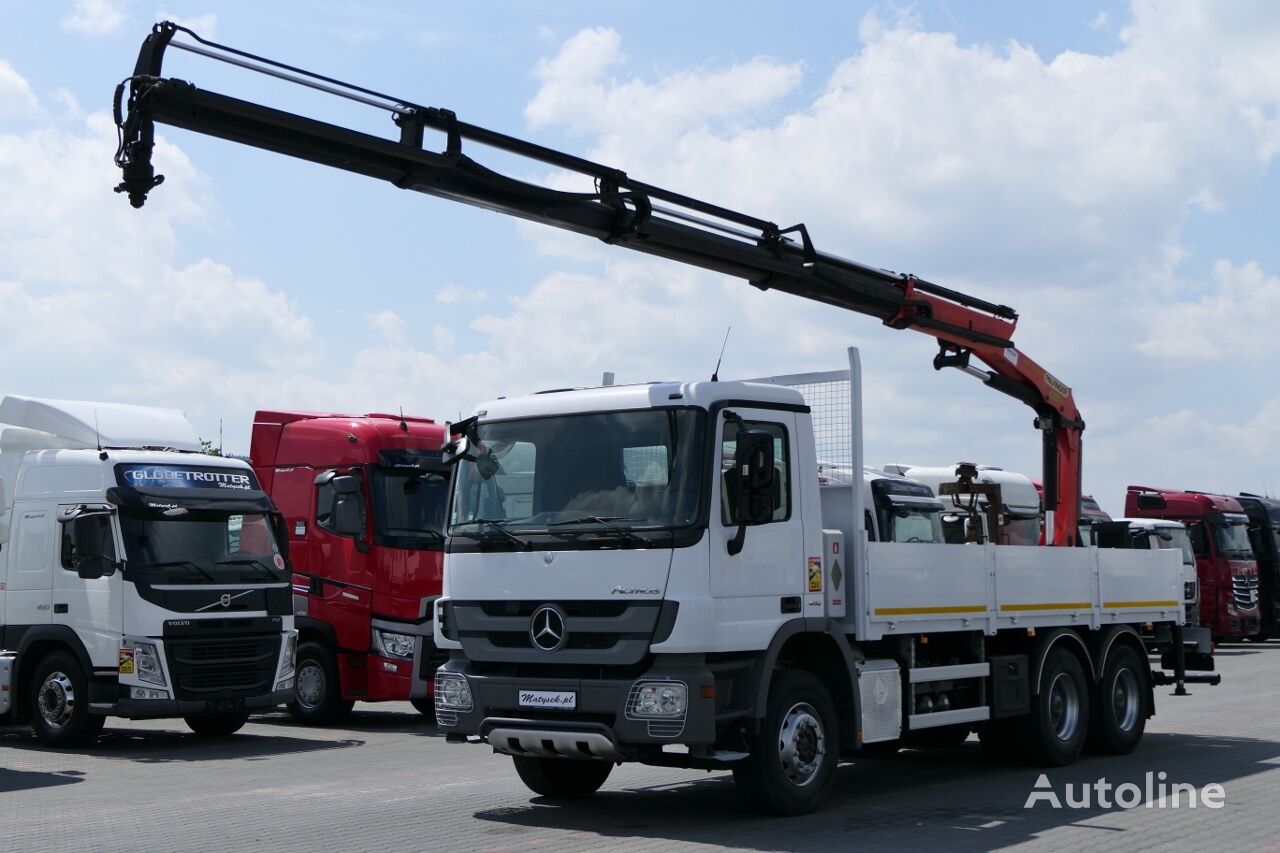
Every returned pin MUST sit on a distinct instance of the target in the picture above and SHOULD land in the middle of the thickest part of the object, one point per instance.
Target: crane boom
(622, 211)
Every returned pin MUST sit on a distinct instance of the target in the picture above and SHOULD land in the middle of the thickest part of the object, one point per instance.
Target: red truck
(364, 500)
(1219, 531)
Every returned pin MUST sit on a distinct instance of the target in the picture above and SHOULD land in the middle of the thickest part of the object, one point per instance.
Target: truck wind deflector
(620, 211)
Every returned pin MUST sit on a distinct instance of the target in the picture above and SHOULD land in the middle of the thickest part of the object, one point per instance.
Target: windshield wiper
(258, 564)
(495, 524)
(606, 520)
(185, 564)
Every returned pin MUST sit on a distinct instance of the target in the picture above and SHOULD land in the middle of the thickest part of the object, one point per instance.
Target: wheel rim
(57, 699)
(310, 689)
(1125, 699)
(1064, 707)
(802, 744)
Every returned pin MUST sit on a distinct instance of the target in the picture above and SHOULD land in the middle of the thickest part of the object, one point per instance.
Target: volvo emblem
(224, 600)
(546, 628)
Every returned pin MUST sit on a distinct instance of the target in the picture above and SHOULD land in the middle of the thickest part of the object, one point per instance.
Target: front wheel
(317, 696)
(1119, 704)
(217, 725)
(562, 778)
(59, 702)
(793, 758)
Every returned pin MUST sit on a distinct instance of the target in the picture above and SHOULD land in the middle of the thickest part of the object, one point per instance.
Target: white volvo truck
(643, 574)
(139, 577)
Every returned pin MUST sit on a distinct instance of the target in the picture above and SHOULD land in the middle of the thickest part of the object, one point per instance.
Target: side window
(781, 465)
(1199, 542)
(70, 560)
(324, 506)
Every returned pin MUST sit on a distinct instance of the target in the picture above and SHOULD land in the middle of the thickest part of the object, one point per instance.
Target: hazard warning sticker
(815, 574)
(126, 661)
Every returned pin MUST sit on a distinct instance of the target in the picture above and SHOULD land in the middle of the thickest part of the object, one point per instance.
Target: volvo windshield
(608, 474)
(201, 547)
(911, 524)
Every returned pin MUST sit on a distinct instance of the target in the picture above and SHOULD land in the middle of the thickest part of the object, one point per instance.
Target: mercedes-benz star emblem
(546, 628)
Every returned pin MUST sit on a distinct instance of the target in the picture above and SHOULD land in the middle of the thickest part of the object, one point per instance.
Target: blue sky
(1107, 169)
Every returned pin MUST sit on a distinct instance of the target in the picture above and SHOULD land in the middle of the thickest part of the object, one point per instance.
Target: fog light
(147, 693)
(453, 693)
(287, 684)
(659, 699)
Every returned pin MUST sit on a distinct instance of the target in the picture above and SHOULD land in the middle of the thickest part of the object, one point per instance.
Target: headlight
(453, 693)
(392, 645)
(659, 699)
(290, 654)
(147, 660)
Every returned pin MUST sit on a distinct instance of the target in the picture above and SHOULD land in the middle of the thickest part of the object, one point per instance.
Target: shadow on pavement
(158, 746)
(954, 799)
(26, 780)
(371, 722)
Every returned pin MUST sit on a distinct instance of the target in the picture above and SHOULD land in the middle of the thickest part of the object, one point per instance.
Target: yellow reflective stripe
(1048, 605)
(1141, 603)
(924, 611)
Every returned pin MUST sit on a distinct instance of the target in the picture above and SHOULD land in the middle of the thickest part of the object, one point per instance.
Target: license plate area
(551, 700)
(223, 706)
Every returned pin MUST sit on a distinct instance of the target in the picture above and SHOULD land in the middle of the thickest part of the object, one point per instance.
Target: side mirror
(346, 484)
(348, 519)
(89, 535)
(456, 450)
(753, 459)
(1149, 500)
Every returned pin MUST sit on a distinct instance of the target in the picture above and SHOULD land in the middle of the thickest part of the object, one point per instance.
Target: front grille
(1244, 589)
(594, 632)
(591, 609)
(223, 667)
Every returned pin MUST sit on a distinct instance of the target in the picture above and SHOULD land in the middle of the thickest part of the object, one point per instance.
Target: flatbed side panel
(1042, 587)
(1140, 586)
(917, 587)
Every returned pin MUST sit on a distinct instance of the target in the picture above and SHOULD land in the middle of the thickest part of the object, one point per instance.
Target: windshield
(635, 470)
(1020, 530)
(1232, 541)
(908, 524)
(1176, 539)
(409, 507)
(201, 546)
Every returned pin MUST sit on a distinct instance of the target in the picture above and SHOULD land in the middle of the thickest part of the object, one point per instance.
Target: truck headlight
(391, 645)
(453, 692)
(290, 655)
(659, 699)
(147, 660)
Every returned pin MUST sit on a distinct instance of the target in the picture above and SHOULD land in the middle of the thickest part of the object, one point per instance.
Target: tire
(425, 707)
(1119, 704)
(317, 695)
(58, 702)
(562, 778)
(1054, 732)
(217, 725)
(793, 759)
(943, 737)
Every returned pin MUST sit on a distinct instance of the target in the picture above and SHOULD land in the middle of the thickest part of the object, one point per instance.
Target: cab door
(92, 607)
(764, 584)
(29, 597)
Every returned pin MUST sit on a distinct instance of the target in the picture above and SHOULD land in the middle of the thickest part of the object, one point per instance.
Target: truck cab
(1219, 531)
(1019, 515)
(363, 497)
(1091, 514)
(896, 508)
(139, 577)
(1153, 533)
(1264, 534)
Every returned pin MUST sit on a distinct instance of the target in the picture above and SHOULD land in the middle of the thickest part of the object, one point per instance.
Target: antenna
(97, 436)
(715, 374)
(220, 445)
(404, 427)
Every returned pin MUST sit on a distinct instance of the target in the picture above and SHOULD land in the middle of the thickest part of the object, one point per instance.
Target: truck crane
(657, 573)
(622, 211)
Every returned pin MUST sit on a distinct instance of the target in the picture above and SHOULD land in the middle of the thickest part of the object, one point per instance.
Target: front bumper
(601, 726)
(147, 709)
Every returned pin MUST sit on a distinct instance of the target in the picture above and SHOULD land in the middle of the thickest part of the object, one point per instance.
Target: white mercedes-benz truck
(655, 573)
(139, 577)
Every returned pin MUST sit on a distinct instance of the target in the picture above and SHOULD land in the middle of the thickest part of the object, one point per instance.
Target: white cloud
(456, 294)
(1236, 320)
(94, 17)
(16, 97)
(388, 324)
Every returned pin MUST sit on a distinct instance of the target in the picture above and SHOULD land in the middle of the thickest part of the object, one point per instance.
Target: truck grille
(595, 632)
(1245, 590)
(223, 667)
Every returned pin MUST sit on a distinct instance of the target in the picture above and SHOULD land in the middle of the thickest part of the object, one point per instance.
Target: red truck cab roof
(1177, 504)
(329, 439)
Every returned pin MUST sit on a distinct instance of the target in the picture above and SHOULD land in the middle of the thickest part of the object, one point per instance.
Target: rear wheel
(217, 725)
(59, 702)
(1119, 704)
(793, 759)
(317, 696)
(1053, 733)
(562, 778)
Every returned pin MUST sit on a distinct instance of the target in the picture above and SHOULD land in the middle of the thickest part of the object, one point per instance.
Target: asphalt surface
(387, 781)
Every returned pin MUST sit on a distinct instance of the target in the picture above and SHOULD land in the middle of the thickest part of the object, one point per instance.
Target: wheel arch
(1125, 636)
(820, 649)
(1060, 638)
(313, 630)
(41, 640)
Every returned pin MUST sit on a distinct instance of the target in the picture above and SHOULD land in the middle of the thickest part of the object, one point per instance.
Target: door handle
(59, 608)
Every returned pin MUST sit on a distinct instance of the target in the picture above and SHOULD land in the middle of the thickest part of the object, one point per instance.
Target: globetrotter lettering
(171, 477)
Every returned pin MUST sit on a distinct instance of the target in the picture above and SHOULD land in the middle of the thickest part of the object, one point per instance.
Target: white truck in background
(1019, 513)
(614, 592)
(139, 577)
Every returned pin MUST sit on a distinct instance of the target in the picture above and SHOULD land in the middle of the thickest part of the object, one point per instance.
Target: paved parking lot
(387, 781)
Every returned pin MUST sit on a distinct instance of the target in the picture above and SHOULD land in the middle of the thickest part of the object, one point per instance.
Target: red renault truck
(1219, 530)
(364, 499)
